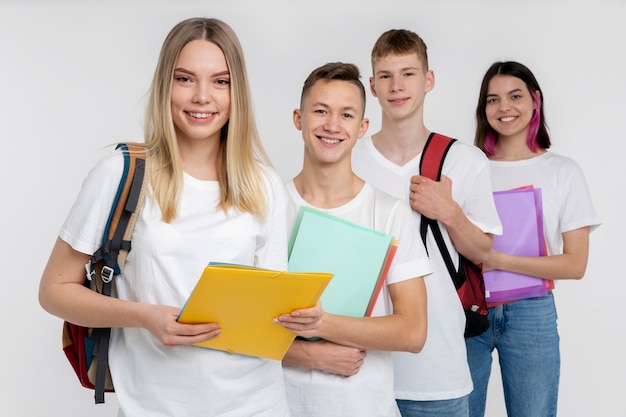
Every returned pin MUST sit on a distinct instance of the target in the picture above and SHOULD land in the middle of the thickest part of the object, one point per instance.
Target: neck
(327, 188)
(199, 159)
(513, 152)
(401, 142)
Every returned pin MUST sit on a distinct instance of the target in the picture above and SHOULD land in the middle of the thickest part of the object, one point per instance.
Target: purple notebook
(521, 214)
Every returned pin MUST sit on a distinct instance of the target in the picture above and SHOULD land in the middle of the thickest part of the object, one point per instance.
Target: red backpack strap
(431, 164)
(433, 155)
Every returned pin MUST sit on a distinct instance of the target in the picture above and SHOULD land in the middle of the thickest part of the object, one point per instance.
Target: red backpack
(468, 280)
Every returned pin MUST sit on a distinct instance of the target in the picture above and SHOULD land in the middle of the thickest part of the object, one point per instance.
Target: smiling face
(200, 99)
(509, 107)
(331, 121)
(400, 83)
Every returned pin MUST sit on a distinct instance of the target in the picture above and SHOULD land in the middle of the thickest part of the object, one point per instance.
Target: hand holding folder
(244, 300)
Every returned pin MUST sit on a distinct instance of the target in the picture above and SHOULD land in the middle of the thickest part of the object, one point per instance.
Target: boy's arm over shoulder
(473, 217)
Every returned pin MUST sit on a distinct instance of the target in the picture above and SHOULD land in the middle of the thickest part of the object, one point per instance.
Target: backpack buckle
(90, 271)
(107, 274)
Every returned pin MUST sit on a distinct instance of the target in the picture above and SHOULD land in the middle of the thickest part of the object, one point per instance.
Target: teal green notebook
(357, 256)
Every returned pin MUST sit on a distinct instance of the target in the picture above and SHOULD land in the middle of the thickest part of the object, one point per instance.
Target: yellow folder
(244, 301)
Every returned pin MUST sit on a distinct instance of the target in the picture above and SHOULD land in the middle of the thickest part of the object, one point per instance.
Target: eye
(223, 82)
(492, 100)
(384, 76)
(409, 74)
(182, 78)
(516, 97)
(348, 115)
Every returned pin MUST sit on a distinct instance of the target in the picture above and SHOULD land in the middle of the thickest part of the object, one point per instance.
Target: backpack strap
(431, 164)
(433, 155)
(136, 198)
(122, 218)
(108, 261)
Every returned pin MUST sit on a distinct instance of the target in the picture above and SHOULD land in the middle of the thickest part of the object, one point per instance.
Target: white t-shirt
(313, 393)
(565, 195)
(163, 267)
(440, 371)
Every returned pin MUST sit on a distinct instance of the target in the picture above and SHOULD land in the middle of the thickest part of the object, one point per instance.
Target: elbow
(417, 348)
(578, 272)
(480, 255)
(484, 253)
(578, 275)
(415, 341)
(43, 301)
(46, 299)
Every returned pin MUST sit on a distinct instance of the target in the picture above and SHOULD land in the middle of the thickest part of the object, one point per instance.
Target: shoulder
(468, 151)
(270, 175)
(273, 187)
(558, 160)
(464, 160)
(386, 205)
(382, 198)
(554, 165)
(108, 169)
(465, 151)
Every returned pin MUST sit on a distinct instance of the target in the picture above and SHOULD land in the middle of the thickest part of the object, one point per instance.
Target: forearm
(564, 266)
(467, 238)
(299, 354)
(390, 333)
(571, 264)
(82, 306)
(62, 294)
(325, 356)
(403, 330)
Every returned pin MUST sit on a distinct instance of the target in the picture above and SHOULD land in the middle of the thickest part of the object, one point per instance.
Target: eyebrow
(344, 108)
(384, 71)
(515, 90)
(186, 71)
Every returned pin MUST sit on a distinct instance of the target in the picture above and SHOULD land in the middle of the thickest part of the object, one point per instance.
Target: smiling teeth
(507, 119)
(200, 115)
(330, 141)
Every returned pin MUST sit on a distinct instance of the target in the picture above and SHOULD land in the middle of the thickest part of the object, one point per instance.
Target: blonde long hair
(240, 155)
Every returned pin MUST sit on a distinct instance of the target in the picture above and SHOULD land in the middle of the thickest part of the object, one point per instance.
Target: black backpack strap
(101, 338)
(431, 165)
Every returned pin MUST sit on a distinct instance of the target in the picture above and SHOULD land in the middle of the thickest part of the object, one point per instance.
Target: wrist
(455, 218)
(308, 356)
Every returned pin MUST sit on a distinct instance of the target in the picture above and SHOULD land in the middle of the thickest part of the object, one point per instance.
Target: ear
(534, 102)
(297, 119)
(430, 80)
(373, 87)
(365, 123)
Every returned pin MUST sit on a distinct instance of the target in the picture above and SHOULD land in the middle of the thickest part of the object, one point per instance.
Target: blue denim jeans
(525, 334)
(456, 407)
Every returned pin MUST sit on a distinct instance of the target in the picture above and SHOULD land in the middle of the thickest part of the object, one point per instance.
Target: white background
(73, 79)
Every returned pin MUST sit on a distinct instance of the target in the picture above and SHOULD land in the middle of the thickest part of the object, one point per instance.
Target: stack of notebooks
(521, 215)
(244, 300)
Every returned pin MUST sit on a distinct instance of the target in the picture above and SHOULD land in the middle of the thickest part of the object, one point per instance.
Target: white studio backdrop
(73, 79)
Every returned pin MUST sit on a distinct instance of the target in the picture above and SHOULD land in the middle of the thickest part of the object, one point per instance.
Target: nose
(396, 84)
(201, 93)
(332, 123)
(504, 106)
